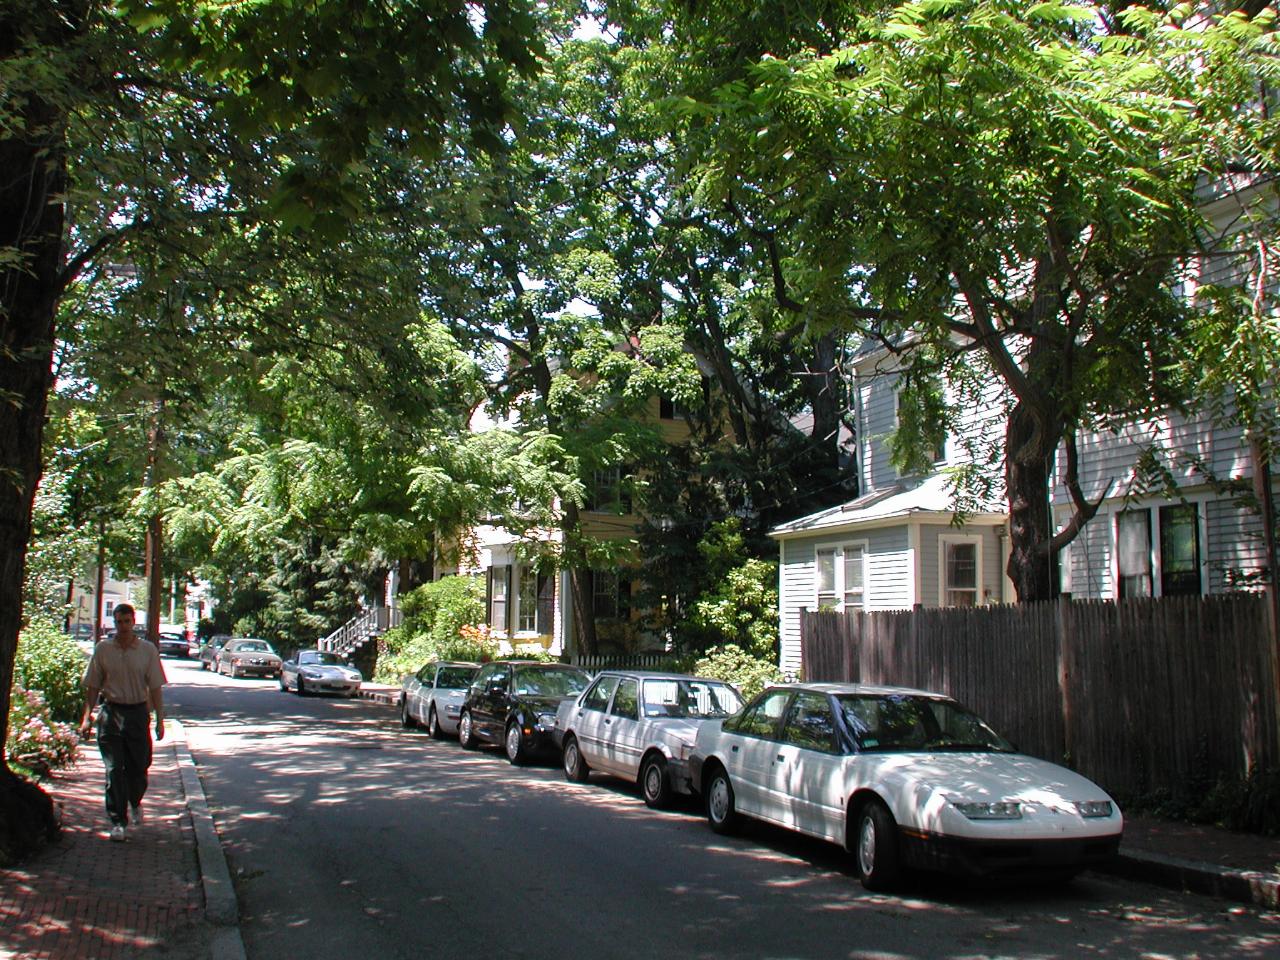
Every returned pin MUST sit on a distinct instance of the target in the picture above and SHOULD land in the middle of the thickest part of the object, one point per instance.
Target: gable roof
(929, 500)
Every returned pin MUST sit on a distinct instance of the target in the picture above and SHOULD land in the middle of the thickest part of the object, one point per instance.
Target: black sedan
(514, 703)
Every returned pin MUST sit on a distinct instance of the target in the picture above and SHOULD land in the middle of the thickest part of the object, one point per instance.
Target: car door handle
(781, 758)
(607, 721)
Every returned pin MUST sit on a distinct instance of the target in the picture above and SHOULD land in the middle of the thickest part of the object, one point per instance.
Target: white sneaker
(135, 816)
(117, 834)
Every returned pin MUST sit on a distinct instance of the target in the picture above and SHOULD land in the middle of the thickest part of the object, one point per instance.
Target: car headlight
(683, 749)
(1093, 808)
(990, 810)
(547, 721)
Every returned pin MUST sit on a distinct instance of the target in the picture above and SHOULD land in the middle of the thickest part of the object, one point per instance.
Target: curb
(1192, 876)
(387, 695)
(220, 906)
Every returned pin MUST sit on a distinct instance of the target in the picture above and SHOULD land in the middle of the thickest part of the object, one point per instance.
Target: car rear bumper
(995, 858)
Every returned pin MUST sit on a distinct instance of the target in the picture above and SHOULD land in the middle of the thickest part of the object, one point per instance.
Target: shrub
(443, 620)
(49, 661)
(742, 609)
(731, 663)
(36, 742)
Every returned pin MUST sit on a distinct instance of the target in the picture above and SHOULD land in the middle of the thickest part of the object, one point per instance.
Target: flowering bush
(36, 741)
(49, 661)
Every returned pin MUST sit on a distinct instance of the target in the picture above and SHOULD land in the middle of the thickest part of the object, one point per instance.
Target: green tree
(71, 70)
(974, 183)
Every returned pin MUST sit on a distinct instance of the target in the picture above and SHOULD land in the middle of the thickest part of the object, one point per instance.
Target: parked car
(434, 696)
(319, 671)
(209, 651)
(514, 703)
(249, 657)
(640, 726)
(173, 644)
(903, 779)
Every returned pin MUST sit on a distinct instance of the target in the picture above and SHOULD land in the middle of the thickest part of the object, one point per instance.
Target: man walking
(126, 671)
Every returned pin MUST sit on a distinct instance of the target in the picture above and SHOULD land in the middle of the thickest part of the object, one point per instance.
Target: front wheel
(433, 725)
(575, 767)
(654, 783)
(283, 688)
(514, 742)
(302, 690)
(879, 861)
(721, 813)
(466, 733)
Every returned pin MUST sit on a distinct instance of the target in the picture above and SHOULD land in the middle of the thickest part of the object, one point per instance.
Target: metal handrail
(361, 628)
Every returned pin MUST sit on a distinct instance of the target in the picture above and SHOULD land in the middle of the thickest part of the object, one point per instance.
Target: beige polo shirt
(125, 676)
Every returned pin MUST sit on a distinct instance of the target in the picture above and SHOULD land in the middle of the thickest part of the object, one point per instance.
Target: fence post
(1066, 668)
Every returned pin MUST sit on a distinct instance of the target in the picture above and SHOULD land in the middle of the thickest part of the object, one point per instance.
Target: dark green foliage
(49, 661)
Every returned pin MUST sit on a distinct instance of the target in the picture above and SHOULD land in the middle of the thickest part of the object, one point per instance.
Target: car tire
(283, 686)
(575, 765)
(721, 812)
(654, 783)
(513, 744)
(876, 847)
(466, 733)
(406, 721)
(433, 724)
(301, 688)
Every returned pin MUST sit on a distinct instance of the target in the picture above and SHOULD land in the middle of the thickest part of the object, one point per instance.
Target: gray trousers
(124, 740)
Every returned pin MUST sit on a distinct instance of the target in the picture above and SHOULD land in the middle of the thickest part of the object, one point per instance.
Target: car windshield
(253, 646)
(550, 681)
(691, 699)
(884, 723)
(314, 657)
(455, 678)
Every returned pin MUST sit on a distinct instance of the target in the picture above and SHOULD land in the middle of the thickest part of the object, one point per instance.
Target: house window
(961, 561)
(499, 590)
(937, 452)
(841, 577)
(1180, 550)
(610, 594)
(607, 493)
(527, 601)
(1173, 568)
(1133, 553)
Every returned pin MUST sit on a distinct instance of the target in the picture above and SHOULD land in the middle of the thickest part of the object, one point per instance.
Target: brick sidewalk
(86, 897)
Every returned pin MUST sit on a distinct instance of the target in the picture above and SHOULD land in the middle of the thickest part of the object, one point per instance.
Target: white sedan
(318, 671)
(640, 726)
(902, 778)
(434, 695)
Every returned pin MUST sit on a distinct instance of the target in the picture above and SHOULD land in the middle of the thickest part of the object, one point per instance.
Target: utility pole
(155, 531)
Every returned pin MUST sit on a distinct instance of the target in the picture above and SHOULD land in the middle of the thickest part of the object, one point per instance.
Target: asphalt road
(351, 838)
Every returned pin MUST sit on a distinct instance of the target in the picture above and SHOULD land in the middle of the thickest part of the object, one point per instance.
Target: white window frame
(838, 552)
(524, 575)
(1152, 509)
(954, 539)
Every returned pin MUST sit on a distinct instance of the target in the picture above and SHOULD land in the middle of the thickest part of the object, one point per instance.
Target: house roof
(931, 499)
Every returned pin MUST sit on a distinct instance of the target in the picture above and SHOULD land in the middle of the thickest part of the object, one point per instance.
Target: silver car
(319, 671)
(248, 657)
(640, 726)
(434, 695)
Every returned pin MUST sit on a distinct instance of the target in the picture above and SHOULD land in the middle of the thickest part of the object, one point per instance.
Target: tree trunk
(580, 589)
(1027, 478)
(33, 158)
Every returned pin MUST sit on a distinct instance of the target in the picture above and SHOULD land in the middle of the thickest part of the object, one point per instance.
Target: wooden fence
(1139, 695)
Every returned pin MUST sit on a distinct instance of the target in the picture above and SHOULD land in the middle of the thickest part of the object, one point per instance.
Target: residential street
(347, 836)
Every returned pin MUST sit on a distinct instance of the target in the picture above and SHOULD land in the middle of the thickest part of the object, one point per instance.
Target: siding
(887, 585)
(930, 564)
